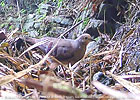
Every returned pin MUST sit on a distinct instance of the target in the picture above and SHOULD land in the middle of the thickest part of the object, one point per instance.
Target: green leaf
(38, 10)
(23, 11)
(2, 3)
(10, 27)
(11, 7)
(2, 25)
(79, 19)
(59, 3)
(86, 21)
(44, 16)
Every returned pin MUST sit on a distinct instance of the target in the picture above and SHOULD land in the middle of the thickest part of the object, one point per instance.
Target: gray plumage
(66, 51)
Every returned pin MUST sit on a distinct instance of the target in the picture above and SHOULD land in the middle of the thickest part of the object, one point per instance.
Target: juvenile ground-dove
(67, 50)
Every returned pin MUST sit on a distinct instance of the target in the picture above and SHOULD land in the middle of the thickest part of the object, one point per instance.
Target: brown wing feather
(63, 51)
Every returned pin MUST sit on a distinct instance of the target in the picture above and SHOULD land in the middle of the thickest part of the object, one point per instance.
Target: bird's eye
(86, 38)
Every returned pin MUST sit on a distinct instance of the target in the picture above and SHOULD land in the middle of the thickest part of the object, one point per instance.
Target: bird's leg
(53, 65)
(64, 71)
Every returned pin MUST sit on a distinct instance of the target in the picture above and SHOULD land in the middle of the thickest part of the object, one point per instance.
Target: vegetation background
(110, 68)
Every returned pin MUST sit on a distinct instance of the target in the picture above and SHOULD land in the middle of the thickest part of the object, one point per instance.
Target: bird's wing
(64, 51)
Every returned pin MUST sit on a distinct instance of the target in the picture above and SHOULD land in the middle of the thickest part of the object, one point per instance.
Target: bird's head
(84, 39)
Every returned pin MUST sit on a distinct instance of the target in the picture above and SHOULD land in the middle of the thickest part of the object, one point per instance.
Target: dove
(67, 50)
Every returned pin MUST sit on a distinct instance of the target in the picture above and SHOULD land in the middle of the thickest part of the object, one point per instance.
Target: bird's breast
(79, 53)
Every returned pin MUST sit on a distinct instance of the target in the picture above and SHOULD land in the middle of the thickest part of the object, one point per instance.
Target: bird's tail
(29, 40)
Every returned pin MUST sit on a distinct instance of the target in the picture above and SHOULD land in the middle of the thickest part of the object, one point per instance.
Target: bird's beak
(91, 40)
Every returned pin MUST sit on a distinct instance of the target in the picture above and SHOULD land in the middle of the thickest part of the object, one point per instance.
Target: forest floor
(108, 71)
